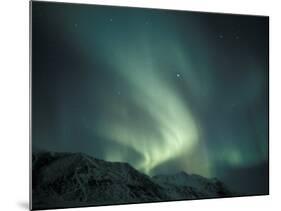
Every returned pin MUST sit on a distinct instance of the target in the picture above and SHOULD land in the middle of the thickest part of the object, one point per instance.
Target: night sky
(162, 90)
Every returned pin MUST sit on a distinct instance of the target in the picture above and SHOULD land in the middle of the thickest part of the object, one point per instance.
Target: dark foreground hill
(76, 179)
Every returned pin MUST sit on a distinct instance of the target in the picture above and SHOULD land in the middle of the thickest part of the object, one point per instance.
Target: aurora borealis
(162, 90)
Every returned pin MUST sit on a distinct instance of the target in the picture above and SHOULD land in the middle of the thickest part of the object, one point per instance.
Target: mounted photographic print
(135, 105)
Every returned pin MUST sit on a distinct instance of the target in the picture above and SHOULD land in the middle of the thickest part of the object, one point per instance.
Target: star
(118, 93)
(237, 37)
(220, 36)
(178, 75)
(110, 19)
(75, 25)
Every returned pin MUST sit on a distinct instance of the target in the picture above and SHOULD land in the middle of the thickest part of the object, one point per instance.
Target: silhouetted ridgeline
(76, 179)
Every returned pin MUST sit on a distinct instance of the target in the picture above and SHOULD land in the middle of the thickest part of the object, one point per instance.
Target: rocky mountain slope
(76, 179)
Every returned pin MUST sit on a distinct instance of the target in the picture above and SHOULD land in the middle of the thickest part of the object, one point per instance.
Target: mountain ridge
(77, 179)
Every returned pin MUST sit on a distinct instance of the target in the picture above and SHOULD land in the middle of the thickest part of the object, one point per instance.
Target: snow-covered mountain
(76, 179)
(185, 186)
